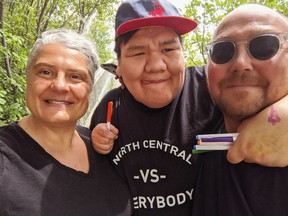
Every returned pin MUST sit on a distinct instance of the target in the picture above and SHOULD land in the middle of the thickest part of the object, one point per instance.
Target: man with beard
(247, 71)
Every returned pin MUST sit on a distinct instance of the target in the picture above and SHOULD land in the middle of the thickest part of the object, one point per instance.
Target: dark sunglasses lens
(264, 47)
(222, 52)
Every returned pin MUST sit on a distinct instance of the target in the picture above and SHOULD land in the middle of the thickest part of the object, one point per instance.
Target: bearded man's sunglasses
(261, 47)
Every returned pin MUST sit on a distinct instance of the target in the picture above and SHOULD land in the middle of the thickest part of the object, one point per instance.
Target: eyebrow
(135, 47)
(168, 42)
(162, 43)
(41, 64)
(261, 29)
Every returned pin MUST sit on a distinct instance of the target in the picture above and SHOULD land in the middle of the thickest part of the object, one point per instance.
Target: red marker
(109, 114)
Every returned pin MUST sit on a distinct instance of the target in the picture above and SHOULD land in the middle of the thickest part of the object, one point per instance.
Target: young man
(247, 72)
(155, 111)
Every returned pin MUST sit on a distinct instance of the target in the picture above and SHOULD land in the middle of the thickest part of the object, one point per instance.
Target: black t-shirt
(154, 150)
(225, 189)
(33, 183)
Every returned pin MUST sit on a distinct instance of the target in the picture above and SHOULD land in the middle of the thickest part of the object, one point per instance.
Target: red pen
(109, 114)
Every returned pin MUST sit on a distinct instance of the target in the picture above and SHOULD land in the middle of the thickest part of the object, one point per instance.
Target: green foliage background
(21, 21)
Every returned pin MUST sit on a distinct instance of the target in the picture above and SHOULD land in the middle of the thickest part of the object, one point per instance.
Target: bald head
(247, 69)
(252, 15)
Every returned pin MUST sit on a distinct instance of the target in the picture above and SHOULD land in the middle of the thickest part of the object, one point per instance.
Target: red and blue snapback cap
(135, 14)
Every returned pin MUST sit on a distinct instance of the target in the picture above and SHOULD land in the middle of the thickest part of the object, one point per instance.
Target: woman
(47, 165)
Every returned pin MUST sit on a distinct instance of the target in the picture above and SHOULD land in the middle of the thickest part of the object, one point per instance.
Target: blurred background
(21, 21)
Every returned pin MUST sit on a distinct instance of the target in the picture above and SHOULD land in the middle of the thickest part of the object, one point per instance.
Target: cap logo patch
(158, 11)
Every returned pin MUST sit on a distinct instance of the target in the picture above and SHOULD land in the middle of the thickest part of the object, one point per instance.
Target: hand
(263, 139)
(103, 139)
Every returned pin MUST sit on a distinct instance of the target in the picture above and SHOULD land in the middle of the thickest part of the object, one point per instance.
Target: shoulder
(112, 94)
(9, 133)
(84, 132)
(9, 142)
(99, 114)
(195, 78)
(196, 72)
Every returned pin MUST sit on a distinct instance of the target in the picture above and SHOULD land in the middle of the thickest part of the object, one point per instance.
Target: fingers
(103, 139)
(259, 152)
(235, 153)
(102, 149)
(114, 130)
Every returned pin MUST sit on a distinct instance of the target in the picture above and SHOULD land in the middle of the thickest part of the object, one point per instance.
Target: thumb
(235, 153)
(114, 130)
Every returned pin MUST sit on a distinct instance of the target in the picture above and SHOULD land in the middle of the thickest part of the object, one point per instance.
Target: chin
(60, 118)
(242, 113)
(156, 104)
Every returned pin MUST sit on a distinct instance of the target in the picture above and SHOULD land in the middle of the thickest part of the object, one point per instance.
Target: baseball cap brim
(181, 25)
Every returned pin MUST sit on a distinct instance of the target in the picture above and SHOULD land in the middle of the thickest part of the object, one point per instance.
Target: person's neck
(60, 141)
(231, 125)
(47, 134)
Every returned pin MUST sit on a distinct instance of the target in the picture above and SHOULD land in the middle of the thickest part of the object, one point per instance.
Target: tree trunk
(3, 40)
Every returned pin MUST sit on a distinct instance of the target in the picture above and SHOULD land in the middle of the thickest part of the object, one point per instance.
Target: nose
(155, 63)
(60, 83)
(242, 60)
